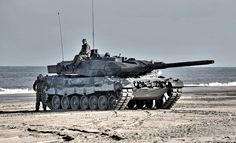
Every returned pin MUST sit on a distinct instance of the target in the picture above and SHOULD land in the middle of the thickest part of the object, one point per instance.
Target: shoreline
(30, 97)
(203, 114)
(208, 89)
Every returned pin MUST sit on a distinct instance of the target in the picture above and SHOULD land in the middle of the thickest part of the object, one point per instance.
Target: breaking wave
(28, 90)
(15, 91)
(213, 84)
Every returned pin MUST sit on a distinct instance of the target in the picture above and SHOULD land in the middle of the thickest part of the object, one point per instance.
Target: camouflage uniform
(39, 86)
(85, 51)
(83, 54)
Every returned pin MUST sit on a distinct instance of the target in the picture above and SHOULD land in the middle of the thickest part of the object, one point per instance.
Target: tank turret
(112, 83)
(117, 66)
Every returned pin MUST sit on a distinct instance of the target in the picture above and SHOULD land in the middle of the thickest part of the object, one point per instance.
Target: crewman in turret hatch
(84, 53)
(85, 50)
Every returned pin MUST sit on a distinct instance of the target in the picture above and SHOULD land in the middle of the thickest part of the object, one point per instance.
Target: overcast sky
(160, 30)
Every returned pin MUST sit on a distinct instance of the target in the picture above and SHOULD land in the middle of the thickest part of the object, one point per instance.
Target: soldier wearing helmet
(84, 52)
(39, 86)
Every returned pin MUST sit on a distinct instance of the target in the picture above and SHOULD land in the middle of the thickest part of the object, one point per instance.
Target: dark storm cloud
(160, 30)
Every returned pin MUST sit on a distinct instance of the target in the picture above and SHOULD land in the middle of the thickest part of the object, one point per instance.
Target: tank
(104, 82)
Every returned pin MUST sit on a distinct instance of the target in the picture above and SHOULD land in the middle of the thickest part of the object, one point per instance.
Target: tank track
(174, 95)
(122, 98)
(125, 96)
(166, 102)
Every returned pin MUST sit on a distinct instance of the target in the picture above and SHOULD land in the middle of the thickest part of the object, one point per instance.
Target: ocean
(14, 80)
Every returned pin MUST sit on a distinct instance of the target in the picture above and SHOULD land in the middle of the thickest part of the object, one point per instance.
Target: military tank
(102, 82)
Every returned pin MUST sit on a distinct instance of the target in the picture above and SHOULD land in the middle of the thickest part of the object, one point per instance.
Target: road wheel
(131, 104)
(149, 104)
(102, 103)
(84, 102)
(65, 102)
(93, 102)
(140, 104)
(159, 103)
(56, 102)
(74, 102)
(112, 101)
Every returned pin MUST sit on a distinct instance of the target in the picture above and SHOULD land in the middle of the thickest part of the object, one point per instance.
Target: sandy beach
(203, 114)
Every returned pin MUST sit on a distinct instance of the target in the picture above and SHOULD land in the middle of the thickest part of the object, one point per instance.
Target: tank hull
(149, 93)
(106, 93)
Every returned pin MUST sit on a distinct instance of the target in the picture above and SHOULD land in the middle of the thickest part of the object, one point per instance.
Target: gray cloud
(160, 30)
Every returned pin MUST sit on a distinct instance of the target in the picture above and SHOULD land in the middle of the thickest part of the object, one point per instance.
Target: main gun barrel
(161, 65)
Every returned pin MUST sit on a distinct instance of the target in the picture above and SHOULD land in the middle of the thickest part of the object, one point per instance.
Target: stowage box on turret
(102, 82)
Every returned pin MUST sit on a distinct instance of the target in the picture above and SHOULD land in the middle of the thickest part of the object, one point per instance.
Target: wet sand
(203, 114)
(17, 98)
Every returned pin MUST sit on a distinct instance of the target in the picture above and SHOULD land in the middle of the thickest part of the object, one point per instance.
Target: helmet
(84, 41)
(40, 77)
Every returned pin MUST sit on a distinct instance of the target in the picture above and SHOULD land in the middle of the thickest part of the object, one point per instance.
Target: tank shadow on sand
(33, 111)
(21, 111)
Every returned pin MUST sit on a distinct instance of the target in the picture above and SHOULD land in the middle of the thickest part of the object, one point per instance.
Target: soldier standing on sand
(39, 86)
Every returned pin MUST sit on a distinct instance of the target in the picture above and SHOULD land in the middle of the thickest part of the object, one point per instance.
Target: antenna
(93, 21)
(62, 51)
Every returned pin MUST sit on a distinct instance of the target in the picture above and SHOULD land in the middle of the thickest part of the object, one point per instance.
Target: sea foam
(27, 90)
(213, 84)
(15, 91)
